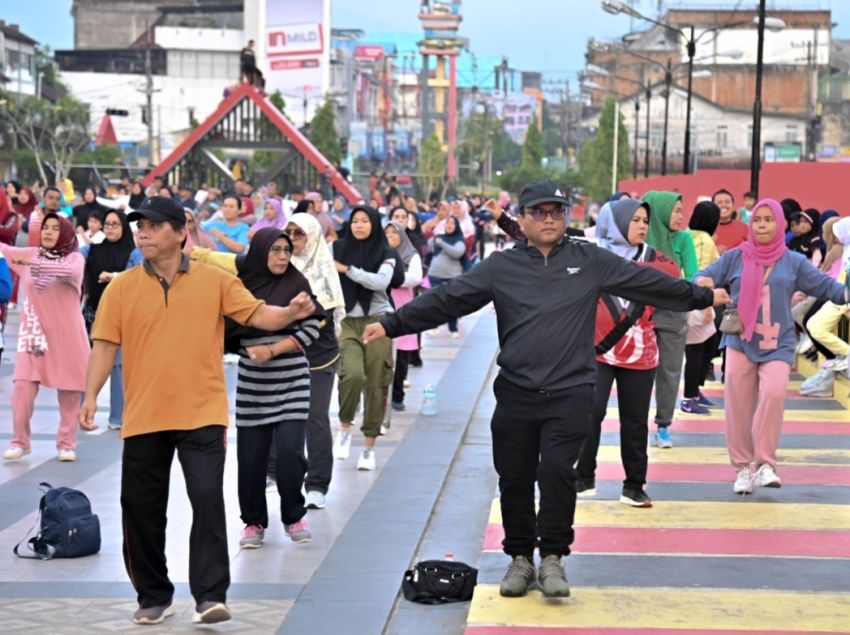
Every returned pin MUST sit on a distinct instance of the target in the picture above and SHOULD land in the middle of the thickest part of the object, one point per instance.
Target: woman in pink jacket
(53, 348)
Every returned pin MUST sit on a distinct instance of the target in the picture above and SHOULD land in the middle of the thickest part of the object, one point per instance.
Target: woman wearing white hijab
(311, 256)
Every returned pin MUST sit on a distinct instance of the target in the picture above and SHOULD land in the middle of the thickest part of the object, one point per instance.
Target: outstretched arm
(461, 296)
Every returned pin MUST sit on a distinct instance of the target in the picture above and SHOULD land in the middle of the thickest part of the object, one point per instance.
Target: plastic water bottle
(429, 401)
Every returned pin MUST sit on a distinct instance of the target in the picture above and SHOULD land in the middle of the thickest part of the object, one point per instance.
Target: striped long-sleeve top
(278, 390)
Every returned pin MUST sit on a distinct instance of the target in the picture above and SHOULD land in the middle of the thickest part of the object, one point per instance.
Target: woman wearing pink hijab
(763, 275)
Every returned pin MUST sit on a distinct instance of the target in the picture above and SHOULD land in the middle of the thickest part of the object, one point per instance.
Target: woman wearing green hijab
(671, 328)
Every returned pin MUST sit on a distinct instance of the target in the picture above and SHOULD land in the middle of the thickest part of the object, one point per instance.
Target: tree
(552, 142)
(432, 164)
(597, 155)
(532, 148)
(483, 135)
(53, 132)
(323, 132)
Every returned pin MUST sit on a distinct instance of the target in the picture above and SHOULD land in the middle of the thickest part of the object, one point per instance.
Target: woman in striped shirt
(272, 391)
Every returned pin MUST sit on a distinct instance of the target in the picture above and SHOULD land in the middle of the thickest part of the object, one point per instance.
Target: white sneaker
(366, 462)
(342, 445)
(823, 375)
(314, 500)
(14, 453)
(820, 385)
(454, 335)
(744, 482)
(67, 455)
(766, 477)
(805, 344)
(434, 332)
(837, 364)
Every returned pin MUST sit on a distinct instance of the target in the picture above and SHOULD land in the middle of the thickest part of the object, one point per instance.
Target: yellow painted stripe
(720, 456)
(793, 415)
(707, 515)
(715, 609)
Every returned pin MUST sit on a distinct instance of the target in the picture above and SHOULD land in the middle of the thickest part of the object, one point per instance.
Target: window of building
(722, 137)
(791, 133)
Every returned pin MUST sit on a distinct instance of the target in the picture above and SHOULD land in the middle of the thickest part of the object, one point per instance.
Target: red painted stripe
(700, 473)
(595, 630)
(838, 428)
(797, 543)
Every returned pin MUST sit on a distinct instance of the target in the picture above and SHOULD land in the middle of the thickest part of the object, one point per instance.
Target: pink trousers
(755, 407)
(23, 404)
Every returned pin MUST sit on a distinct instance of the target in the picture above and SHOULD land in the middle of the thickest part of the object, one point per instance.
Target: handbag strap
(767, 273)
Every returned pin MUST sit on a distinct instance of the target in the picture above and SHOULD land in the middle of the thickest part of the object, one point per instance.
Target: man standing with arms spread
(168, 317)
(545, 292)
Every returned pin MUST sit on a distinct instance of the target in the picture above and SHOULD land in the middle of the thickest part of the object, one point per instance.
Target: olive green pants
(363, 369)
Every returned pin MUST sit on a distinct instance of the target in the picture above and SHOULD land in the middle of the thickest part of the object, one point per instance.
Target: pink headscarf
(756, 259)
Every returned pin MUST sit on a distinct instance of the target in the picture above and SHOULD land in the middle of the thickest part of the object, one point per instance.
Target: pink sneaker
(299, 532)
(252, 537)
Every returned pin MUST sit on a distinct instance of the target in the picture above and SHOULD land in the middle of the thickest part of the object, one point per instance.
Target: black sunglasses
(538, 213)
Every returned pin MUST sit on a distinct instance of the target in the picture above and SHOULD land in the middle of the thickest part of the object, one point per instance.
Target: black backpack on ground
(68, 527)
(439, 582)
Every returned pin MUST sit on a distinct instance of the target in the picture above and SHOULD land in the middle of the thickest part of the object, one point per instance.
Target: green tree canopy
(323, 132)
(532, 148)
(432, 164)
(53, 131)
(596, 157)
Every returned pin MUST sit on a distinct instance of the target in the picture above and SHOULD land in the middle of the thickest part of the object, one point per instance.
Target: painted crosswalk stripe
(717, 515)
(719, 610)
(787, 543)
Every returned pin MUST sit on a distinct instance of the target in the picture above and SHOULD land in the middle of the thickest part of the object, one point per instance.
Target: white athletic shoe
(14, 453)
(766, 477)
(314, 500)
(744, 482)
(342, 445)
(366, 462)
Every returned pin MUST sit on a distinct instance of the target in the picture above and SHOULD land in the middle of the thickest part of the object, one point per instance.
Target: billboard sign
(296, 47)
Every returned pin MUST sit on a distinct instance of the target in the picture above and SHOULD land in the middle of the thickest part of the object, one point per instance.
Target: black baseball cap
(543, 191)
(159, 209)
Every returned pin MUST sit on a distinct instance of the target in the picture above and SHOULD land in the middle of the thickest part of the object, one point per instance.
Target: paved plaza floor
(701, 560)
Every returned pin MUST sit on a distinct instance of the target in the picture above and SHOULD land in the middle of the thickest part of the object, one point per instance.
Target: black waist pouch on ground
(439, 582)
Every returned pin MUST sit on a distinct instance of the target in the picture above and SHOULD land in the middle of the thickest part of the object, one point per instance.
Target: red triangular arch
(301, 143)
(106, 133)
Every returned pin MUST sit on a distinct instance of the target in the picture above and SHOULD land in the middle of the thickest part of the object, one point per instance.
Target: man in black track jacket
(545, 292)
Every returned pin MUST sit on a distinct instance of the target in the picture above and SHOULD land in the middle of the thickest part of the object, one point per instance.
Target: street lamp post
(692, 47)
(646, 145)
(615, 7)
(755, 162)
(637, 130)
(668, 86)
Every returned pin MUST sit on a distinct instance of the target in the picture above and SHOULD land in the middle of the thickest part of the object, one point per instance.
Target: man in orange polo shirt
(167, 315)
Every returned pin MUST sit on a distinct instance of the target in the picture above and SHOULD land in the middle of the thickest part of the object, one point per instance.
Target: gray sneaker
(153, 614)
(552, 579)
(210, 612)
(519, 577)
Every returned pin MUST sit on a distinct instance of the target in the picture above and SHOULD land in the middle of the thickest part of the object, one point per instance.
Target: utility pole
(148, 92)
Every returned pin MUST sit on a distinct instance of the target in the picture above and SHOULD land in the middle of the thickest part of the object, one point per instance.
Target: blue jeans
(116, 391)
(436, 282)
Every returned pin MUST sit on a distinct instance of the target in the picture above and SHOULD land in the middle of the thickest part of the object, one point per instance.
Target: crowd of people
(299, 289)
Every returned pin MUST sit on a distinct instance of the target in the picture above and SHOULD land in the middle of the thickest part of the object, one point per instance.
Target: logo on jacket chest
(571, 271)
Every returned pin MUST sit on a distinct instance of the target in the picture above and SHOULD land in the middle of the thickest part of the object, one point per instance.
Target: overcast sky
(537, 35)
